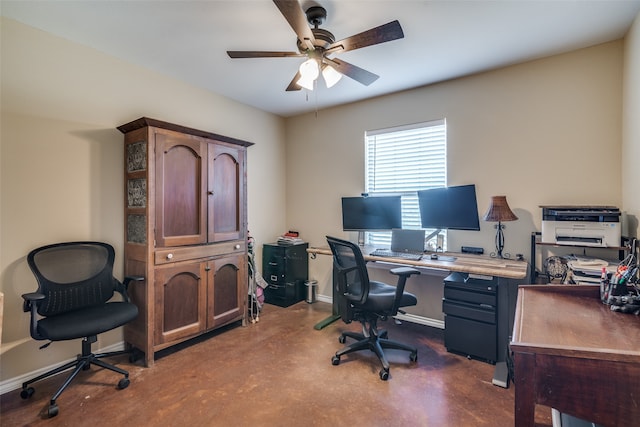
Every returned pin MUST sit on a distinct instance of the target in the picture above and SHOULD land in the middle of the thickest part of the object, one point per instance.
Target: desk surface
(464, 263)
(572, 320)
(572, 353)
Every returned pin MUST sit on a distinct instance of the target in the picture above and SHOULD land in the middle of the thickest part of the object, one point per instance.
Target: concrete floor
(278, 372)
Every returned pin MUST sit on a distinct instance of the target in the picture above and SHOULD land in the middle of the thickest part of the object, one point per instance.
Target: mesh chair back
(73, 275)
(353, 279)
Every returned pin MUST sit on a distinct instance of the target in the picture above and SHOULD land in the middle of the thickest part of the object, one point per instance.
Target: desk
(509, 272)
(572, 353)
(463, 263)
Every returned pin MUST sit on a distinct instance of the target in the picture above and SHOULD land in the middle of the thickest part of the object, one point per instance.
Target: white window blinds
(403, 160)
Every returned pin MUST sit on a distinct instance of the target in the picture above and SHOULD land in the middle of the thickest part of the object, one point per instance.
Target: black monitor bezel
(392, 205)
(448, 202)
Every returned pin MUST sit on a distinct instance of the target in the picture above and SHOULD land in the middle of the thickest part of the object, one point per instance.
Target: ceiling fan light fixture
(305, 83)
(309, 72)
(330, 75)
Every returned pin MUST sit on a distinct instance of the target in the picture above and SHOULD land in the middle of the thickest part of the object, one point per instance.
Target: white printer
(597, 226)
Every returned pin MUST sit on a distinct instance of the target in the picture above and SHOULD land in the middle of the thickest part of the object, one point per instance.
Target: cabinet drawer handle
(169, 257)
(237, 246)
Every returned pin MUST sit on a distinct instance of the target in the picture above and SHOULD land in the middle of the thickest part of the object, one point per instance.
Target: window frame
(388, 150)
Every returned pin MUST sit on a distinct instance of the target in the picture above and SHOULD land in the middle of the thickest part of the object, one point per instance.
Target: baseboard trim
(427, 321)
(324, 298)
(15, 383)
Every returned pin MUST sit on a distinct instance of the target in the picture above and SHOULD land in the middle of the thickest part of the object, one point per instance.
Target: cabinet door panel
(227, 290)
(226, 182)
(180, 183)
(180, 301)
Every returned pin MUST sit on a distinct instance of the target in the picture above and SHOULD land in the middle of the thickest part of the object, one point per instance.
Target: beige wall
(62, 162)
(631, 128)
(548, 131)
(543, 132)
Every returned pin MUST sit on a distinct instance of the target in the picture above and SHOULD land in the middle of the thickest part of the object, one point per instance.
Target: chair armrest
(130, 279)
(123, 287)
(342, 282)
(403, 273)
(29, 299)
(29, 306)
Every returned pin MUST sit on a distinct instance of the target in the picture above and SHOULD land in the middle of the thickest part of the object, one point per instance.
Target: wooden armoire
(185, 232)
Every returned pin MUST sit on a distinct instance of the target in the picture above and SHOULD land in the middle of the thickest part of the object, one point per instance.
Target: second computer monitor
(453, 208)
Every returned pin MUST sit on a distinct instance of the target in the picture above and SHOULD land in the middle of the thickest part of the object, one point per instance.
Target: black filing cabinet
(285, 268)
(470, 307)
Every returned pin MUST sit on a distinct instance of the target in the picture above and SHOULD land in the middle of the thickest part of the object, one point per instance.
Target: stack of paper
(589, 270)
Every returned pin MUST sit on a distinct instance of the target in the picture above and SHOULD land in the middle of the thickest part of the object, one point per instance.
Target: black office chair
(75, 284)
(367, 301)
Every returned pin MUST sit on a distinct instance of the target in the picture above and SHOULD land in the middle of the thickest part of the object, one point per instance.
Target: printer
(597, 226)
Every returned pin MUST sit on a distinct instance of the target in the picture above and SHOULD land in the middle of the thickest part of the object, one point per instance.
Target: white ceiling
(188, 40)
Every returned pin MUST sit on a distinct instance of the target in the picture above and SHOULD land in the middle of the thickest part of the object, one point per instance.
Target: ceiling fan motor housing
(323, 39)
(316, 16)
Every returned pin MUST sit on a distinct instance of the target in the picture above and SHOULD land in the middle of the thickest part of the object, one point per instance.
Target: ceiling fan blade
(356, 73)
(293, 85)
(258, 54)
(384, 33)
(295, 16)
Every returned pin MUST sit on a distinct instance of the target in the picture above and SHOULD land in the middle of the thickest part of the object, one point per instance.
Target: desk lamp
(499, 211)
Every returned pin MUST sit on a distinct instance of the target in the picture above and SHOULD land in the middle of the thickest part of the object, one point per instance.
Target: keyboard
(386, 253)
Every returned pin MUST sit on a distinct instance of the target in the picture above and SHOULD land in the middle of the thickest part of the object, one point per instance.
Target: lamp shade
(309, 72)
(331, 76)
(499, 210)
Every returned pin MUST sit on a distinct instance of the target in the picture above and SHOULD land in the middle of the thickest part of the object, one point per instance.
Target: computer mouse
(434, 256)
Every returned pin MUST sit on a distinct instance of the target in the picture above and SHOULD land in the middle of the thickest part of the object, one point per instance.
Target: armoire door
(181, 299)
(227, 289)
(226, 190)
(181, 205)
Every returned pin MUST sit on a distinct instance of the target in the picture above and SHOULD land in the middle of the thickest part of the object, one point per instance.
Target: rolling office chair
(367, 301)
(75, 284)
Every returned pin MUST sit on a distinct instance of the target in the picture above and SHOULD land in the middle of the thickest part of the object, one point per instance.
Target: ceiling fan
(318, 44)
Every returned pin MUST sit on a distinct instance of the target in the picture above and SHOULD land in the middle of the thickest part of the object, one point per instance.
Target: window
(403, 160)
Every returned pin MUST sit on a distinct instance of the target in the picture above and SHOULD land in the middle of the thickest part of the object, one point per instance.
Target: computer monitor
(372, 213)
(452, 208)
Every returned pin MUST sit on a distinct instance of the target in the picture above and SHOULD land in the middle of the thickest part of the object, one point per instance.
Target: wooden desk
(463, 263)
(572, 353)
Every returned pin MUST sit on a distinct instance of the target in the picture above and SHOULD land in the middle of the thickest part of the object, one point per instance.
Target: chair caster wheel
(123, 383)
(384, 374)
(27, 392)
(342, 339)
(52, 410)
(413, 357)
(335, 360)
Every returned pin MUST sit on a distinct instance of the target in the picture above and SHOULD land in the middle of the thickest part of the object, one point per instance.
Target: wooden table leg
(525, 383)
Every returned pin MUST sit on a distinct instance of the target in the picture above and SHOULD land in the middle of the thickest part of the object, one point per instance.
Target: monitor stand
(361, 238)
(432, 235)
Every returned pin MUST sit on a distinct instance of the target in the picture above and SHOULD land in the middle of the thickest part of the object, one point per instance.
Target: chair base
(82, 362)
(376, 341)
